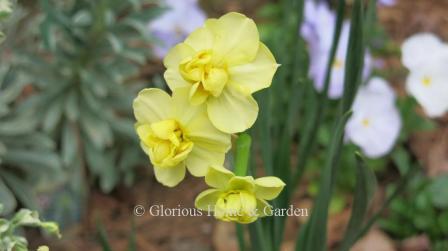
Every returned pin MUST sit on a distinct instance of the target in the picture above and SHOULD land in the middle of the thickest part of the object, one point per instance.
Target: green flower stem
(243, 144)
(242, 153)
(240, 236)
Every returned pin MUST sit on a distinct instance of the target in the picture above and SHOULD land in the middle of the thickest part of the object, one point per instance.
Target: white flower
(375, 124)
(426, 57)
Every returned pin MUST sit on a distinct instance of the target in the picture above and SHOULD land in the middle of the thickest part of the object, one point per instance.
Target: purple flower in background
(375, 124)
(318, 30)
(387, 2)
(172, 27)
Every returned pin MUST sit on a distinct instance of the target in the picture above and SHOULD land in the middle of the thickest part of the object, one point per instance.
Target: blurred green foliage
(421, 209)
(10, 240)
(26, 154)
(5, 11)
(79, 63)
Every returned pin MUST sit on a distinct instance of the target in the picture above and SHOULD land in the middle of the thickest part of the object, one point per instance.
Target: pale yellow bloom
(222, 64)
(236, 198)
(176, 135)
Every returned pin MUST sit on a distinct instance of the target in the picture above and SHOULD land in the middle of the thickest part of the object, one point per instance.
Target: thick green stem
(243, 144)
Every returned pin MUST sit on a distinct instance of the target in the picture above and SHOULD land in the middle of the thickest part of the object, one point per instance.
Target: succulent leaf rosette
(222, 64)
(239, 199)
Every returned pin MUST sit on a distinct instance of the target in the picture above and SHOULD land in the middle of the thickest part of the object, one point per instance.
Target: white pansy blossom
(426, 57)
(375, 124)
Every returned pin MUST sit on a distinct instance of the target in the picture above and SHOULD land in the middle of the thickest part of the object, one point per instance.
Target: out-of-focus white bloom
(318, 31)
(375, 124)
(172, 27)
(426, 57)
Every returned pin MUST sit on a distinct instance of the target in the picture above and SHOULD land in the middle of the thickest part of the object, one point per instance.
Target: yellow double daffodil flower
(237, 198)
(177, 136)
(221, 64)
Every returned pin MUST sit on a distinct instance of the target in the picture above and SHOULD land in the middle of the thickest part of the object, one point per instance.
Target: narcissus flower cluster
(212, 76)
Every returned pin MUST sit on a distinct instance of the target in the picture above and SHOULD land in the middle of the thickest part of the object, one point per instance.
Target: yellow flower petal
(197, 125)
(236, 38)
(268, 188)
(201, 158)
(245, 183)
(174, 79)
(206, 200)
(257, 74)
(200, 39)
(151, 105)
(170, 176)
(172, 61)
(218, 176)
(177, 54)
(197, 94)
(232, 111)
(263, 208)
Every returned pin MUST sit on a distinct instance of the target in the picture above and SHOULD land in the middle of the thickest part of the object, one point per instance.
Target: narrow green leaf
(7, 198)
(240, 236)
(355, 57)
(102, 238)
(317, 236)
(69, 143)
(363, 194)
(22, 190)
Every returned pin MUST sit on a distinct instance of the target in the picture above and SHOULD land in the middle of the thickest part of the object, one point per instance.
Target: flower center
(166, 142)
(206, 77)
(338, 63)
(366, 122)
(236, 206)
(426, 81)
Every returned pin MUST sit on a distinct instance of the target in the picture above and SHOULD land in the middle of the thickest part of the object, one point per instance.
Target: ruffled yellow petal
(257, 74)
(268, 188)
(201, 158)
(172, 61)
(263, 208)
(170, 176)
(197, 125)
(245, 183)
(218, 176)
(177, 54)
(232, 111)
(151, 105)
(236, 38)
(200, 39)
(197, 94)
(174, 79)
(207, 199)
